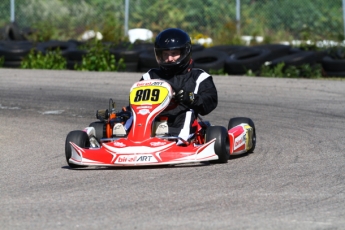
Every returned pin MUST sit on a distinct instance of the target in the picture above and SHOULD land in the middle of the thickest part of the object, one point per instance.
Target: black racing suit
(205, 98)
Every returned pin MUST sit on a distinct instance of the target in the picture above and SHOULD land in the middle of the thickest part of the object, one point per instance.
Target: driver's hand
(184, 97)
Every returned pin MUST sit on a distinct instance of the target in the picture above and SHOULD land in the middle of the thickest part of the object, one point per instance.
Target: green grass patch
(98, 58)
(282, 71)
(50, 60)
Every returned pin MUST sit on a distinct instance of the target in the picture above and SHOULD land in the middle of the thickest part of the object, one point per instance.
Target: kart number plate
(148, 95)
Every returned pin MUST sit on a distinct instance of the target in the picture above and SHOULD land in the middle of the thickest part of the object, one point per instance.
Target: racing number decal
(148, 95)
(145, 95)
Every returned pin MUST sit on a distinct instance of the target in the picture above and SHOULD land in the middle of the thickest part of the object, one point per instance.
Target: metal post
(126, 16)
(238, 16)
(12, 11)
(344, 17)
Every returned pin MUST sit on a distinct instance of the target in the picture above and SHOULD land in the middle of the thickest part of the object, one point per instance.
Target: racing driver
(195, 90)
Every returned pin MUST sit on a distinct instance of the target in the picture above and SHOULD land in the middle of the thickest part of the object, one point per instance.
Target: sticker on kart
(143, 158)
(151, 94)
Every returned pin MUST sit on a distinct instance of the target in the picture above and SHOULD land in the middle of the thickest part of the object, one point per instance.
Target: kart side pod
(242, 139)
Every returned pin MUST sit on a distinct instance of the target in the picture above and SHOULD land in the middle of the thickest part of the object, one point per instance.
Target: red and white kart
(107, 143)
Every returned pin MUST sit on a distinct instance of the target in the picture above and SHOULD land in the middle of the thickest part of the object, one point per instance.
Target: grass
(50, 60)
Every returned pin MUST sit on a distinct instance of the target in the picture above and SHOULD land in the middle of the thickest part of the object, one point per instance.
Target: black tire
(334, 74)
(209, 59)
(333, 65)
(276, 50)
(297, 59)
(294, 50)
(129, 67)
(71, 64)
(222, 144)
(75, 54)
(197, 47)
(229, 49)
(142, 47)
(147, 60)
(12, 32)
(126, 55)
(12, 64)
(15, 50)
(53, 45)
(81, 139)
(246, 59)
(239, 120)
(319, 55)
(99, 128)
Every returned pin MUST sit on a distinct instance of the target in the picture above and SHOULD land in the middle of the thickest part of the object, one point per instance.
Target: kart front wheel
(99, 129)
(222, 143)
(81, 139)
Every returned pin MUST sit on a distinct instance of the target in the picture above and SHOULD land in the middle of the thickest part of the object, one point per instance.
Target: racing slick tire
(81, 139)
(239, 120)
(99, 129)
(222, 144)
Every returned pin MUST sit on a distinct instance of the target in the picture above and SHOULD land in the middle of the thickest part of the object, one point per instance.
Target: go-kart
(130, 137)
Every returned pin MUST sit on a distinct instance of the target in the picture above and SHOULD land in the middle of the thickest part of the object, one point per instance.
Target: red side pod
(231, 140)
(233, 133)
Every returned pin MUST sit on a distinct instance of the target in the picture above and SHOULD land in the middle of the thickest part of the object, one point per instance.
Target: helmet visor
(172, 56)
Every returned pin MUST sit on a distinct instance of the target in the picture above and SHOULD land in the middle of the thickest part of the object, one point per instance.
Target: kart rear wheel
(222, 144)
(99, 129)
(239, 120)
(81, 139)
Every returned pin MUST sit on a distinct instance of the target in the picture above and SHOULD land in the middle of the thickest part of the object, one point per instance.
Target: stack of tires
(14, 52)
(208, 59)
(68, 50)
(11, 32)
(243, 59)
(333, 63)
(13, 45)
(130, 54)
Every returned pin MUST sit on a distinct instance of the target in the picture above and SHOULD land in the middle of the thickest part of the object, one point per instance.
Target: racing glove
(184, 97)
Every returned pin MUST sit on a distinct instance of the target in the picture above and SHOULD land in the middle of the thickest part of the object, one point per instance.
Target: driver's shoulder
(198, 71)
(152, 74)
(195, 73)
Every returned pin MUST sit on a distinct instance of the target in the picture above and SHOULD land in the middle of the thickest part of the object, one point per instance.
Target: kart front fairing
(141, 146)
(155, 151)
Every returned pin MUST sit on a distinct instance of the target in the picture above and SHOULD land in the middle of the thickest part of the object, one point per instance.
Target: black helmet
(173, 39)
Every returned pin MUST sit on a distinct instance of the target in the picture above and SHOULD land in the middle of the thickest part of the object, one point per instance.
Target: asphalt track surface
(295, 179)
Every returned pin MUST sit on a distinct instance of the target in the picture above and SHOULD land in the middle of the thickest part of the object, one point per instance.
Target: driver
(196, 92)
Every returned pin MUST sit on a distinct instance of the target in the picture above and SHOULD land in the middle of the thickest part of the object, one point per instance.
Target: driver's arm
(206, 98)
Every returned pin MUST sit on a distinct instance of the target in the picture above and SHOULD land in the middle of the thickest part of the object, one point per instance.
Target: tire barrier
(229, 49)
(130, 54)
(333, 67)
(14, 52)
(246, 59)
(296, 59)
(63, 46)
(232, 59)
(319, 55)
(197, 47)
(147, 60)
(12, 32)
(209, 59)
(74, 56)
(276, 50)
